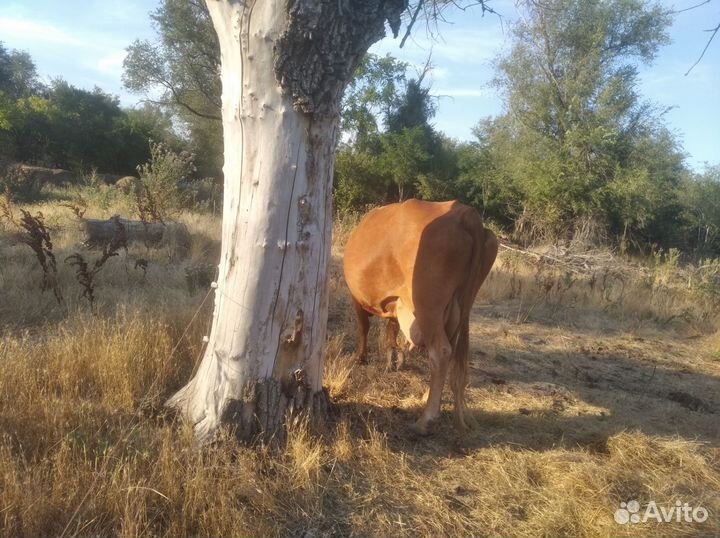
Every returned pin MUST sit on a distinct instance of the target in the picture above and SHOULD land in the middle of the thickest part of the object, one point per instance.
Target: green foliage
(577, 154)
(18, 76)
(31, 129)
(63, 126)
(82, 127)
(184, 61)
(577, 142)
(413, 108)
(182, 65)
(372, 94)
(404, 157)
(700, 202)
(15, 183)
(161, 196)
(359, 180)
(134, 129)
(6, 111)
(400, 157)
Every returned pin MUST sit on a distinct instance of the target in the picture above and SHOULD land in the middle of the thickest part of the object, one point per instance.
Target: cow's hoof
(460, 446)
(395, 360)
(471, 422)
(421, 428)
(465, 424)
(400, 360)
(390, 364)
(461, 428)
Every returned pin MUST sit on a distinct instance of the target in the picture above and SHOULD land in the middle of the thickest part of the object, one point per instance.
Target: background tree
(77, 129)
(18, 75)
(700, 199)
(483, 179)
(134, 131)
(180, 72)
(18, 79)
(82, 124)
(374, 91)
(575, 125)
(371, 95)
(62, 125)
(390, 150)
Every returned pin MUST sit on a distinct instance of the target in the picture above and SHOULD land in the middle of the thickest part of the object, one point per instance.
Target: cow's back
(416, 251)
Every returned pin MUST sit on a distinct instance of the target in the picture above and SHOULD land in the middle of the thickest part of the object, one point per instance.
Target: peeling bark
(285, 65)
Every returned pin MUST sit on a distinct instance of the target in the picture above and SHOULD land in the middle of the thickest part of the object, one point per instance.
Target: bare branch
(676, 11)
(707, 45)
(426, 68)
(412, 22)
(179, 101)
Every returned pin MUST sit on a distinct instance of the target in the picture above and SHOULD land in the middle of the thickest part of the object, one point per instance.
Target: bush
(359, 181)
(199, 277)
(161, 196)
(21, 185)
(203, 194)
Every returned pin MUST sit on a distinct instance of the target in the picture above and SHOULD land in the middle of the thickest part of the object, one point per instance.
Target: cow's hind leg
(439, 351)
(395, 355)
(458, 383)
(363, 326)
(458, 363)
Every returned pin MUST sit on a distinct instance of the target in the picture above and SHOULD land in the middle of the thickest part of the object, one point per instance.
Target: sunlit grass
(572, 390)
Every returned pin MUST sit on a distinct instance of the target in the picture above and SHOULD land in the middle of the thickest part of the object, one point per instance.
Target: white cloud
(26, 30)
(460, 92)
(468, 46)
(111, 64)
(123, 11)
(439, 73)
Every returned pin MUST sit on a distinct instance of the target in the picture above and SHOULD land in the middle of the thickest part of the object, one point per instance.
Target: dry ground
(585, 396)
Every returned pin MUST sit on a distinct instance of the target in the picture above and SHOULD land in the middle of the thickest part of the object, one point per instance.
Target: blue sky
(84, 41)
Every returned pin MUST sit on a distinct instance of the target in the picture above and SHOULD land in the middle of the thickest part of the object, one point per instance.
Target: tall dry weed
(85, 274)
(33, 232)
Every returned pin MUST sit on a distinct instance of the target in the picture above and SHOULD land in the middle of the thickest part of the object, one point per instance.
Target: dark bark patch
(266, 409)
(322, 45)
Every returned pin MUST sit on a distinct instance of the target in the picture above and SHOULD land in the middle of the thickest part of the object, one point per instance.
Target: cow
(420, 265)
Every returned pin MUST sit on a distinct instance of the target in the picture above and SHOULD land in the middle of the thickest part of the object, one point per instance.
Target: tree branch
(675, 12)
(426, 69)
(707, 45)
(177, 99)
(412, 22)
(193, 110)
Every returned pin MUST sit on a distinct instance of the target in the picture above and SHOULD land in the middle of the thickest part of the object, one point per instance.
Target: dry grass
(584, 398)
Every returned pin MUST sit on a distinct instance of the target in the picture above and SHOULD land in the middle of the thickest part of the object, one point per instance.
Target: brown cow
(420, 265)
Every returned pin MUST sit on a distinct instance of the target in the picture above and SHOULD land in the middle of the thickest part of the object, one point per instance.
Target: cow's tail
(484, 251)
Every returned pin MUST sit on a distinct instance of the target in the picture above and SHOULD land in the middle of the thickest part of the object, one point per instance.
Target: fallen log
(173, 235)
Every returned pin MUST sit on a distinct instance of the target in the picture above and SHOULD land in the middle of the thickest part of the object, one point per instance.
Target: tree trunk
(284, 67)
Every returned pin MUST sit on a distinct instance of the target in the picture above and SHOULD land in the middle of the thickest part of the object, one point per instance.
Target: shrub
(161, 196)
(203, 194)
(23, 186)
(199, 277)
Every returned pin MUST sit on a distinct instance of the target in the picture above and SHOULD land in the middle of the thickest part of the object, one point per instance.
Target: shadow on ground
(544, 387)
